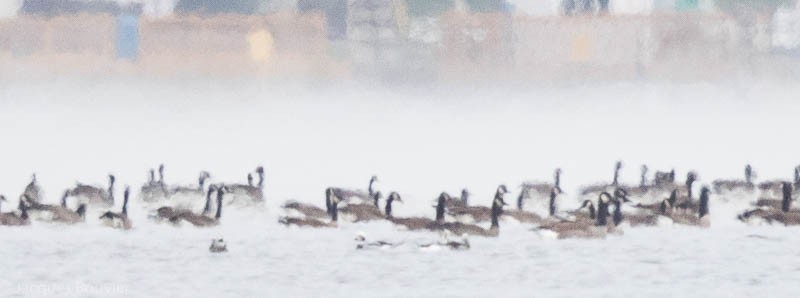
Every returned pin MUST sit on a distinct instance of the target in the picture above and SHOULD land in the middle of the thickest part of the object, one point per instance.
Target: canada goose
(525, 216)
(119, 220)
(477, 213)
(218, 245)
(636, 219)
(367, 197)
(643, 187)
(207, 207)
(643, 181)
(543, 189)
(686, 204)
(154, 190)
(735, 184)
(460, 202)
(192, 190)
(581, 229)
(784, 214)
(776, 204)
(174, 215)
(602, 187)
(465, 197)
(657, 207)
(419, 223)
(32, 190)
(361, 243)
(96, 195)
(701, 219)
(307, 210)
(255, 193)
(578, 215)
(11, 218)
(775, 187)
(203, 220)
(316, 223)
(493, 231)
(363, 212)
(662, 179)
(55, 213)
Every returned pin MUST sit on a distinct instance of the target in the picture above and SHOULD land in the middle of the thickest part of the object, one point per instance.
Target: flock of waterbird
(606, 208)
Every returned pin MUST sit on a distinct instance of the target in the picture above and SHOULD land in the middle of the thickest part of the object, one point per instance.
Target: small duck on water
(361, 243)
(445, 243)
(218, 245)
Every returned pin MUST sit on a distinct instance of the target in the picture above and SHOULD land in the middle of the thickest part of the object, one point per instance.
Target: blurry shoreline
(475, 48)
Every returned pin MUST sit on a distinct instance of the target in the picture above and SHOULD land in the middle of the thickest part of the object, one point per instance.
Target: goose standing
(11, 218)
(118, 220)
(313, 222)
(253, 193)
(96, 195)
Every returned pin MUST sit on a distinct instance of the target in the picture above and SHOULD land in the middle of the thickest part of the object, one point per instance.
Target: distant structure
(50, 8)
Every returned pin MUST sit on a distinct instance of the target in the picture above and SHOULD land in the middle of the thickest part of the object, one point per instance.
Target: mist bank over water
(419, 141)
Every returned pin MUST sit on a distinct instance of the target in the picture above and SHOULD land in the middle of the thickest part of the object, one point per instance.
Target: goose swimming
(203, 220)
(313, 222)
(735, 184)
(118, 220)
(363, 212)
(96, 195)
(540, 189)
(11, 218)
(603, 187)
(784, 215)
(476, 213)
(581, 229)
(253, 193)
(32, 190)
